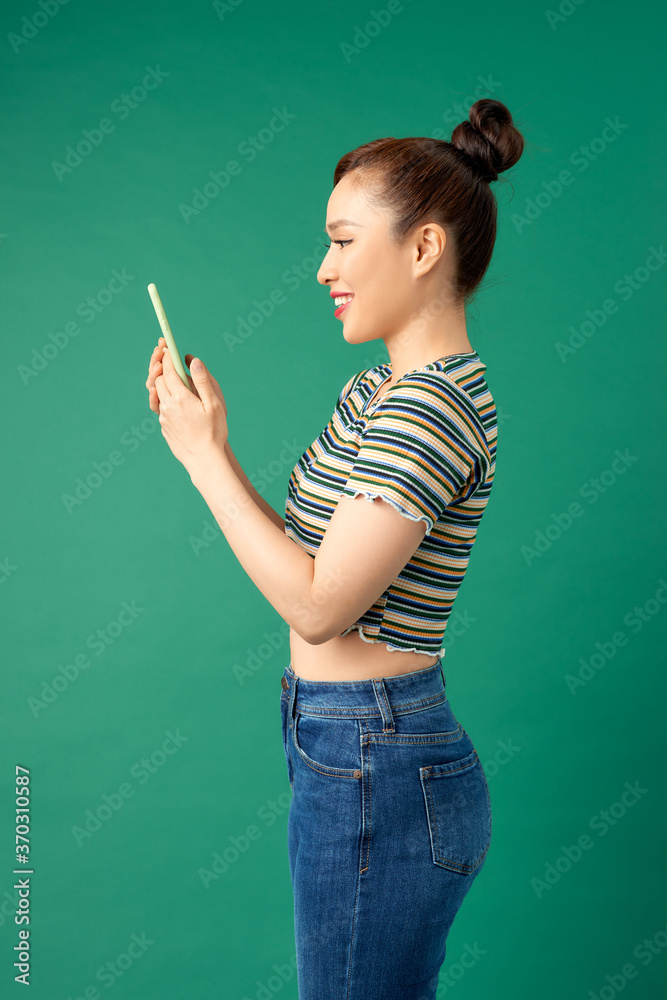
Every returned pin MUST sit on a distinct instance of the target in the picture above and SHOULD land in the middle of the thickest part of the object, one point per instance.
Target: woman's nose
(326, 272)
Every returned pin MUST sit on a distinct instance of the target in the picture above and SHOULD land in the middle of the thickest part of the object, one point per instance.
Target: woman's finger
(153, 400)
(155, 356)
(155, 369)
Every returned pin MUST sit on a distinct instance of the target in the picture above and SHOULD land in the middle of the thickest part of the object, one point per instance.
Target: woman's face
(380, 276)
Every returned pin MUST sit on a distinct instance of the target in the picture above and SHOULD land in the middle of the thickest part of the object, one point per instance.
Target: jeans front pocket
(458, 810)
(328, 745)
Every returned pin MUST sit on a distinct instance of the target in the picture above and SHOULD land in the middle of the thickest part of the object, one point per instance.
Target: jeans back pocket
(458, 809)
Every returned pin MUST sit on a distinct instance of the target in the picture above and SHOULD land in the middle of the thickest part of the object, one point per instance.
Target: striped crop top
(427, 447)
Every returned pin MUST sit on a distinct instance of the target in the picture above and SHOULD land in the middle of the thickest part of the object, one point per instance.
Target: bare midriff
(351, 658)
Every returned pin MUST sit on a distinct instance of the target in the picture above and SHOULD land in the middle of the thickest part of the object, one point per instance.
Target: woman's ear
(430, 247)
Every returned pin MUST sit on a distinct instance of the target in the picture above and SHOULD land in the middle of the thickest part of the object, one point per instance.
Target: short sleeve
(349, 385)
(417, 450)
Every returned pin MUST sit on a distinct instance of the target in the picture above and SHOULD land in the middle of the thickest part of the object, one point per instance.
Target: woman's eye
(341, 243)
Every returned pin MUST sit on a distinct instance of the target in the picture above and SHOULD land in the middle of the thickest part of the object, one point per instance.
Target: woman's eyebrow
(341, 222)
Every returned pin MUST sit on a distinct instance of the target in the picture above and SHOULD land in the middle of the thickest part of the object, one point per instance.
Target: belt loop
(442, 673)
(292, 701)
(383, 703)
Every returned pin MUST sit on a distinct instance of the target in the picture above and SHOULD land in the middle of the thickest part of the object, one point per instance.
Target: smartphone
(168, 335)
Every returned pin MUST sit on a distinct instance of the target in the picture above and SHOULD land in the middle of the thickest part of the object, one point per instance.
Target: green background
(203, 657)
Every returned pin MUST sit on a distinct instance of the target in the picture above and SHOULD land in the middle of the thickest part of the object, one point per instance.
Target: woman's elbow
(323, 630)
(317, 630)
(313, 631)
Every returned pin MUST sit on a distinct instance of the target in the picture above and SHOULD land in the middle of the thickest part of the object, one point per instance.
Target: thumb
(200, 376)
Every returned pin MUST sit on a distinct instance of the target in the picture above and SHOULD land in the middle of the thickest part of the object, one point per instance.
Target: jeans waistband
(383, 697)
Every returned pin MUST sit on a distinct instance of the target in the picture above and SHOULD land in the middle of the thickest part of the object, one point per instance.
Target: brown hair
(421, 179)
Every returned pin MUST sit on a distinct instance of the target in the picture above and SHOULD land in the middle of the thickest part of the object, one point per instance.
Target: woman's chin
(353, 337)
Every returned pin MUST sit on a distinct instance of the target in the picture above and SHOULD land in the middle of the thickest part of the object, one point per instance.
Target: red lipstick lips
(339, 310)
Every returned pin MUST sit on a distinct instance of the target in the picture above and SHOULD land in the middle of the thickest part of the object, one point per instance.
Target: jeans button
(283, 683)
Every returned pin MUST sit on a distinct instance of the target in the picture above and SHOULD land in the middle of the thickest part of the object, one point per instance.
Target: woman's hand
(155, 369)
(194, 421)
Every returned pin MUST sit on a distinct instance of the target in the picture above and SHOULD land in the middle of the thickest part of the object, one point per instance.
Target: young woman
(390, 820)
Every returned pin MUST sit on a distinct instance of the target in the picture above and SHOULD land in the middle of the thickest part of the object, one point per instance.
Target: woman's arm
(257, 497)
(279, 568)
(365, 547)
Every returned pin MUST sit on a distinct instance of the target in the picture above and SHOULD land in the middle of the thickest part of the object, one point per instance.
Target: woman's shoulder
(443, 401)
(430, 389)
(358, 378)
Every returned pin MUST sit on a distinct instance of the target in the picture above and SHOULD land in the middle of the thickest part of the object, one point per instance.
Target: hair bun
(489, 139)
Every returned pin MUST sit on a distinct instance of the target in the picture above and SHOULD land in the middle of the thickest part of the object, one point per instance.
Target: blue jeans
(389, 824)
